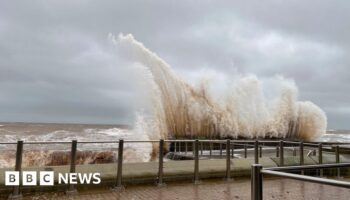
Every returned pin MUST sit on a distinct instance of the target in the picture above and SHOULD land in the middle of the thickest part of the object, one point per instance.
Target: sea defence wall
(146, 172)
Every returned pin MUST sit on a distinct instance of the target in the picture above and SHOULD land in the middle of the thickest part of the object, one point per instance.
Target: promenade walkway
(274, 189)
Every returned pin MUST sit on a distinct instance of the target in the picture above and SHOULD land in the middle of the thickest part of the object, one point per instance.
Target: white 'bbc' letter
(46, 178)
(11, 178)
(29, 178)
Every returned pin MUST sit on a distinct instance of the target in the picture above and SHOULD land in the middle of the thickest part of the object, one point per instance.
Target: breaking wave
(181, 110)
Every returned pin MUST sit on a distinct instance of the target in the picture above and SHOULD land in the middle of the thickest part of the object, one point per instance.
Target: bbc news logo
(46, 178)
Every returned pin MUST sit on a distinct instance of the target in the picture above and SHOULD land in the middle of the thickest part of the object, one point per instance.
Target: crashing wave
(183, 111)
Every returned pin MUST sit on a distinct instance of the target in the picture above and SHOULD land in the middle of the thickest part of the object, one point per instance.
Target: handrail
(308, 167)
(8, 143)
(307, 178)
(223, 141)
(258, 171)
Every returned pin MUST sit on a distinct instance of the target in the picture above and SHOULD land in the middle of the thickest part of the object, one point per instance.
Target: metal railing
(258, 171)
(196, 145)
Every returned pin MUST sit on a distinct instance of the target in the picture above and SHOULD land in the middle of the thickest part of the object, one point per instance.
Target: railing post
(72, 190)
(277, 151)
(180, 147)
(186, 148)
(119, 186)
(16, 193)
(301, 155)
(281, 153)
(256, 152)
(160, 161)
(228, 160)
(320, 160)
(260, 151)
(337, 159)
(256, 182)
(174, 146)
(196, 163)
(245, 150)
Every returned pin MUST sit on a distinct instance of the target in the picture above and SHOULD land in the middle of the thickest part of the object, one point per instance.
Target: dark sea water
(41, 154)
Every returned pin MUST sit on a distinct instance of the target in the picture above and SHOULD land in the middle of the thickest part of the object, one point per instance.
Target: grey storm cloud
(57, 65)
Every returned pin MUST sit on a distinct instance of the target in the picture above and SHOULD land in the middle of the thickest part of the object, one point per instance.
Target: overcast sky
(57, 65)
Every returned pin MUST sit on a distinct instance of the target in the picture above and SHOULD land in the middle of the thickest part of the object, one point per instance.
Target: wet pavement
(212, 189)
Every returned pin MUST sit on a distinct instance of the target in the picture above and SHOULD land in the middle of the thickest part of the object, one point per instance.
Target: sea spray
(183, 111)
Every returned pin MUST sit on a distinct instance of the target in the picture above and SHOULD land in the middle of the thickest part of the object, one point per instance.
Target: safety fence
(223, 148)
